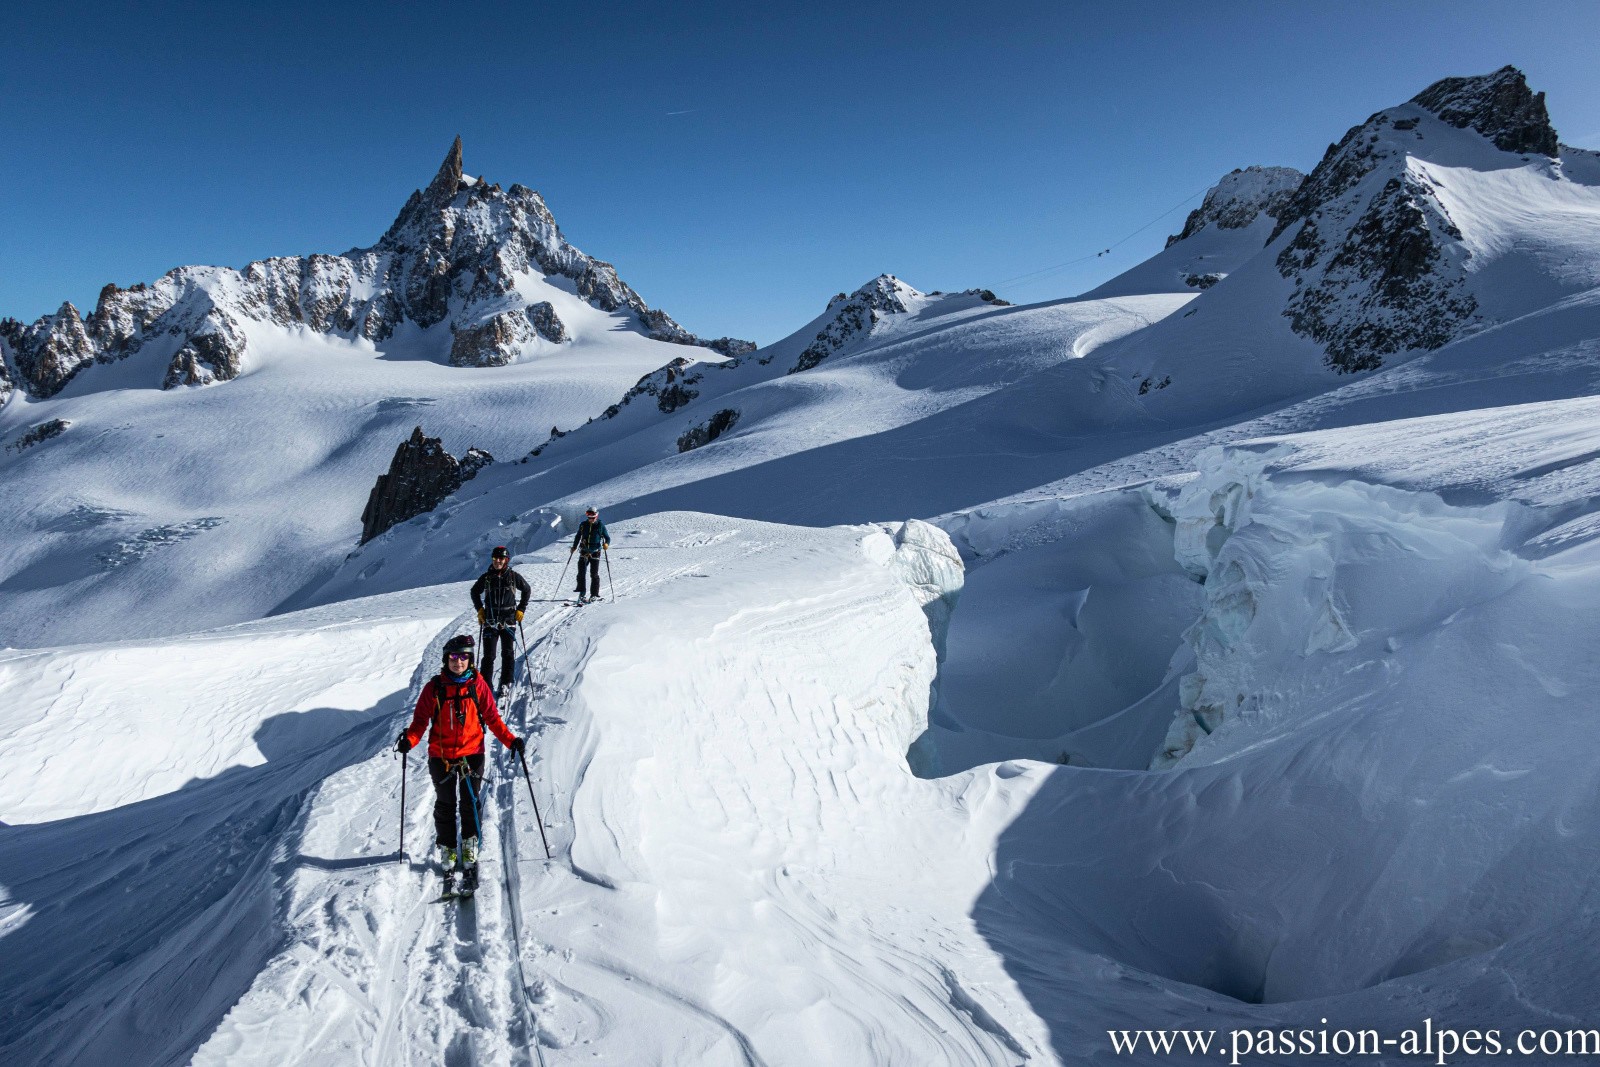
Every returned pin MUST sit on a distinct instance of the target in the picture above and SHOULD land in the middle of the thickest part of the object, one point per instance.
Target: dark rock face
(492, 342)
(1392, 284)
(1343, 166)
(1500, 106)
(546, 323)
(708, 431)
(50, 351)
(211, 356)
(38, 434)
(495, 341)
(1241, 197)
(1201, 281)
(421, 475)
(855, 316)
(452, 254)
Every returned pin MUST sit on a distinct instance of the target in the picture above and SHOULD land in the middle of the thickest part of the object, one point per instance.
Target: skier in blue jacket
(590, 540)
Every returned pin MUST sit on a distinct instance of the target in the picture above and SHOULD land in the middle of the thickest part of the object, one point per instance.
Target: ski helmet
(592, 513)
(500, 552)
(460, 644)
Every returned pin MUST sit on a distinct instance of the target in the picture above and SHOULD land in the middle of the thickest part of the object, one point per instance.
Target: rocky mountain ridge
(1242, 196)
(849, 319)
(455, 252)
(1377, 261)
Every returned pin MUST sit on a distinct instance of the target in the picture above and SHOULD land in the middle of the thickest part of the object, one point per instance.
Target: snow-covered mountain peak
(1499, 105)
(464, 255)
(1240, 198)
(857, 315)
(1383, 233)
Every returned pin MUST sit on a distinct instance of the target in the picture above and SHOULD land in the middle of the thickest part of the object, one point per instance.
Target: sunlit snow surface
(1252, 699)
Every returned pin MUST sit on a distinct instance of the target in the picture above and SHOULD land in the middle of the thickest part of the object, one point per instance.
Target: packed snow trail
(707, 751)
(151, 793)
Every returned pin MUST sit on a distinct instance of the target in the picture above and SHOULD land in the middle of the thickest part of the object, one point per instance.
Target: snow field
(196, 508)
(747, 870)
(150, 790)
(923, 414)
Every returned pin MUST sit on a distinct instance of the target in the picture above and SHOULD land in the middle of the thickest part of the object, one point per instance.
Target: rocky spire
(448, 180)
(424, 205)
(1500, 106)
(421, 475)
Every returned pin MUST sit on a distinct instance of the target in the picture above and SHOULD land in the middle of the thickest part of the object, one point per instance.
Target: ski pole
(523, 637)
(404, 759)
(562, 580)
(609, 582)
(526, 777)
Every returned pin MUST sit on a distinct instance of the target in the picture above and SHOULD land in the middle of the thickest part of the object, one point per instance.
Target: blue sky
(737, 170)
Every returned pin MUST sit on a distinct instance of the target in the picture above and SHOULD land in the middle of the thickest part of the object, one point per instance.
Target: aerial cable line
(1104, 251)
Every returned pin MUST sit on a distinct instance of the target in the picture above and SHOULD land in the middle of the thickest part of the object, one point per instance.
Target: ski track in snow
(604, 952)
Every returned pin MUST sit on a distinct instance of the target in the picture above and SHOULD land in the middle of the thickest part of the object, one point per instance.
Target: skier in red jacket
(458, 703)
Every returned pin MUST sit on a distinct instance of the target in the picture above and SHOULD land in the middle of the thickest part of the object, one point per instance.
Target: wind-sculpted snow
(152, 789)
(1375, 728)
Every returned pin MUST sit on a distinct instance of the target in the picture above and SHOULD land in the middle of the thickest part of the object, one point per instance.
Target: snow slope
(749, 870)
(158, 512)
(942, 404)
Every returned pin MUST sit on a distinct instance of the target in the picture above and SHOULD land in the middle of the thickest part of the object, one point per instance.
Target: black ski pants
(456, 788)
(505, 637)
(593, 563)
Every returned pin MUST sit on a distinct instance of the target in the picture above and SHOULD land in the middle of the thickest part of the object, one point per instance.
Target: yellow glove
(519, 616)
(480, 616)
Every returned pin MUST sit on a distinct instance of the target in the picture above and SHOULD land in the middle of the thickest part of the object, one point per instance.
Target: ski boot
(447, 860)
(469, 867)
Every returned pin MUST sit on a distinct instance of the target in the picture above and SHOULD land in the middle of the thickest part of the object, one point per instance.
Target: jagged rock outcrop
(50, 351)
(706, 432)
(855, 316)
(546, 323)
(421, 475)
(1241, 197)
(453, 254)
(44, 431)
(213, 354)
(1500, 106)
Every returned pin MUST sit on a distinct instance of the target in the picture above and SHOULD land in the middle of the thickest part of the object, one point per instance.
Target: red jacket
(458, 717)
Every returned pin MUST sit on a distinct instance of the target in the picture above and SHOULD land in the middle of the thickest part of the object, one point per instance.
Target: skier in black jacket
(501, 596)
(590, 540)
